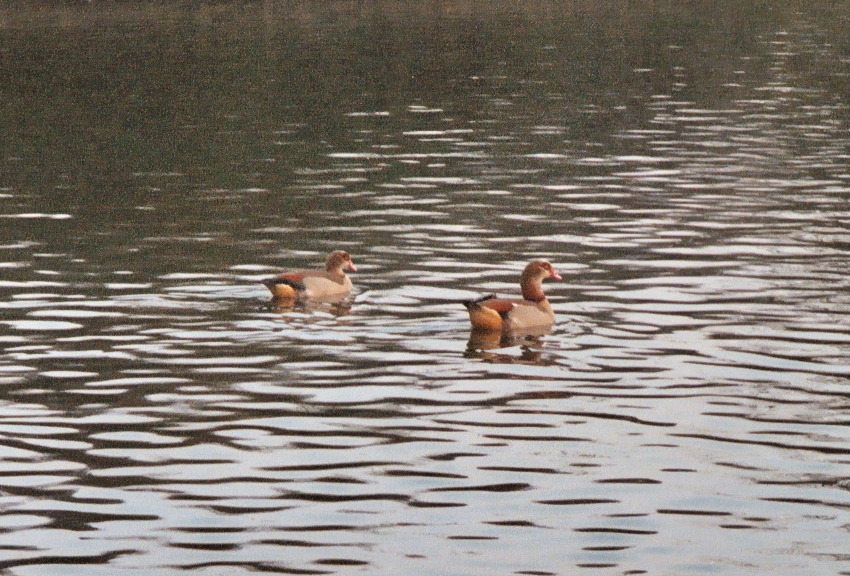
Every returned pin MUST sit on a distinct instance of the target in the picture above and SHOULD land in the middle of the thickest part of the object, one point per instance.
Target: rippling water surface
(685, 168)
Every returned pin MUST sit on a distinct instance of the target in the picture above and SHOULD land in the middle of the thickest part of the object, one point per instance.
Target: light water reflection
(685, 168)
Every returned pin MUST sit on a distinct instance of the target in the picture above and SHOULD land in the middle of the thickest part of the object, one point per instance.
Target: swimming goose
(332, 281)
(532, 311)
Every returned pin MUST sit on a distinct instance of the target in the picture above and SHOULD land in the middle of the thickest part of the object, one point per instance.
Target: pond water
(684, 165)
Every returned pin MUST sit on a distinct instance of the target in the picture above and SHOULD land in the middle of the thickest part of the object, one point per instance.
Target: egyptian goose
(330, 282)
(532, 311)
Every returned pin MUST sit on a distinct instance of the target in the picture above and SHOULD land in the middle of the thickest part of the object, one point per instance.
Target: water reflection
(484, 351)
(528, 342)
(685, 166)
(339, 305)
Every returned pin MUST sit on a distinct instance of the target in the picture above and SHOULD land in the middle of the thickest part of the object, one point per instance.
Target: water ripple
(161, 414)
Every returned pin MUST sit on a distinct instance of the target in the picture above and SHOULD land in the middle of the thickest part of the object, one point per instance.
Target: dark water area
(684, 165)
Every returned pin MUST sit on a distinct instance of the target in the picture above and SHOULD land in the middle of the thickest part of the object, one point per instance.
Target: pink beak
(351, 266)
(554, 275)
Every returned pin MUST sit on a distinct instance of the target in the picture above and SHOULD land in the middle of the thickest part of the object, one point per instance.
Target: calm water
(686, 168)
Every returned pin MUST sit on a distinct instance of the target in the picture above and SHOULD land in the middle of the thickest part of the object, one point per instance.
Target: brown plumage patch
(293, 277)
(484, 318)
(488, 313)
(500, 306)
(282, 291)
(285, 286)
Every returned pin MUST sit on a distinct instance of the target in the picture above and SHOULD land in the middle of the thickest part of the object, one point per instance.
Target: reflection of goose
(491, 340)
(493, 314)
(527, 356)
(328, 283)
(500, 347)
(336, 305)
